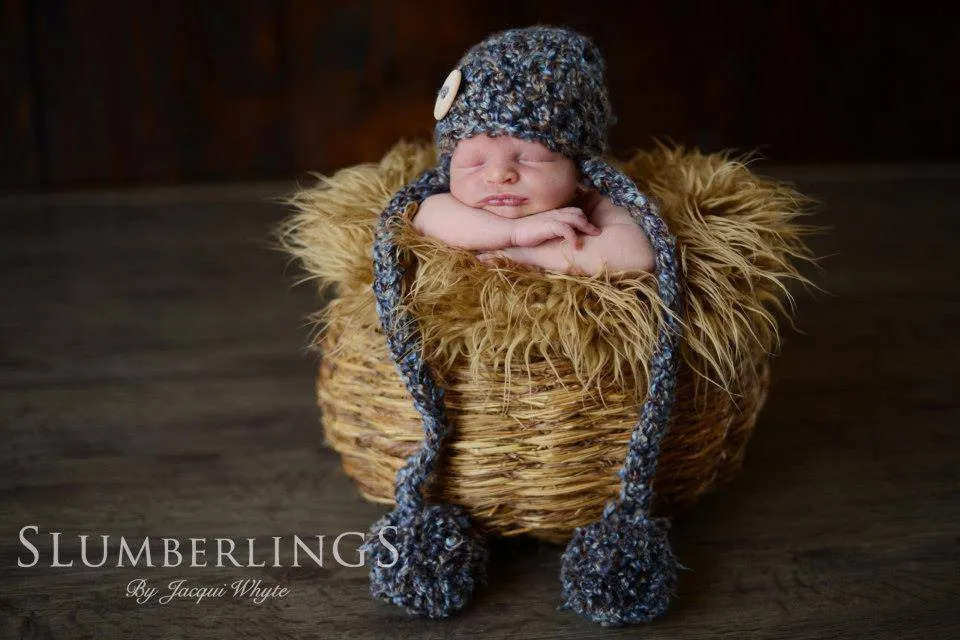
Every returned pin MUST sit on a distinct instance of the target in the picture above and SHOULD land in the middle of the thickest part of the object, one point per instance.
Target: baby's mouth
(503, 200)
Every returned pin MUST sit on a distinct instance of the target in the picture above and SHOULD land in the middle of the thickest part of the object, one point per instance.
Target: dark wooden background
(117, 92)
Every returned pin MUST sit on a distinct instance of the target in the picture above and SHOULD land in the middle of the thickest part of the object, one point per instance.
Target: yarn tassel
(424, 558)
(621, 569)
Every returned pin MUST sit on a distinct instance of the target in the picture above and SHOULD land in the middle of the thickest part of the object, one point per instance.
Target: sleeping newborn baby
(518, 199)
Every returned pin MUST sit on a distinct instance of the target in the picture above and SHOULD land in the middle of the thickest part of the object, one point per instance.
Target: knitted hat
(543, 84)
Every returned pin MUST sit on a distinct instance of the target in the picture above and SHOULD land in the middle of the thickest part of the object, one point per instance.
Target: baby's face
(510, 177)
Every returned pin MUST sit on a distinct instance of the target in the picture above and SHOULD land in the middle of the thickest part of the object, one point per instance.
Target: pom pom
(620, 569)
(426, 560)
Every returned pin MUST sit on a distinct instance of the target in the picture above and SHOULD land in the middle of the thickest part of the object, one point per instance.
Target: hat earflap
(425, 558)
(621, 568)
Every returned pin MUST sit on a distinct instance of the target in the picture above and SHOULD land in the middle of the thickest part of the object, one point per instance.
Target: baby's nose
(501, 173)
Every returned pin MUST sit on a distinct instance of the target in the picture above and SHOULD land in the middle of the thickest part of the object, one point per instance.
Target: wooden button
(447, 94)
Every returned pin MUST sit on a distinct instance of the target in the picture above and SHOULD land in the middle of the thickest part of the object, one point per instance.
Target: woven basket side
(543, 465)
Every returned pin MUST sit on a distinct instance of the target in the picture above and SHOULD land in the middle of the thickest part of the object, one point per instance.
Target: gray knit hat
(542, 84)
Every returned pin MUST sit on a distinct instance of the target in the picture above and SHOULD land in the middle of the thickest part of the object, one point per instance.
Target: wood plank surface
(153, 382)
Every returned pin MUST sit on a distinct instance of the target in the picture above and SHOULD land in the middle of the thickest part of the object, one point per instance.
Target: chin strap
(621, 568)
(425, 558)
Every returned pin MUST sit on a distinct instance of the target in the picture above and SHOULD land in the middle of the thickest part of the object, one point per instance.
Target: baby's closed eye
(536, 156)
(469, 162)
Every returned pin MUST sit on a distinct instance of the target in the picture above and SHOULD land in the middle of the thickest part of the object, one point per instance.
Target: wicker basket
(534, 451)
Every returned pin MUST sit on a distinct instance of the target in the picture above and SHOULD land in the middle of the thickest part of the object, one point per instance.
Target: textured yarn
(542, 84)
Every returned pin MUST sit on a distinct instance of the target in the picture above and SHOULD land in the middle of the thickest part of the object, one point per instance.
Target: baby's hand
(556, 223)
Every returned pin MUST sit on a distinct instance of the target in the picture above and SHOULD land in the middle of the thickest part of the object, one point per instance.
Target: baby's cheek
(460, 190)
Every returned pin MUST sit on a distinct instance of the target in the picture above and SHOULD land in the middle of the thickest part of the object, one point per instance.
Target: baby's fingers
(575, 217)
(575, 240)
(588, 227)
(566, 231)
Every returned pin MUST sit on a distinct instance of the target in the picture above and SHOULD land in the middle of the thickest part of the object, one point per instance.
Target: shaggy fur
(738, 241)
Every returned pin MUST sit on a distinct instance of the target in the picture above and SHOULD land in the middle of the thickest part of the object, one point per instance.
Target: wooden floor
(153, 382)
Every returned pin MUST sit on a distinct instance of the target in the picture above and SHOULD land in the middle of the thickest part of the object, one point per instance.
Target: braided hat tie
(542, 84)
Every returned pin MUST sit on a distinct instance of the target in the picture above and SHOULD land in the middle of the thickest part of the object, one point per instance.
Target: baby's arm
(444, 217)
(621, 247)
